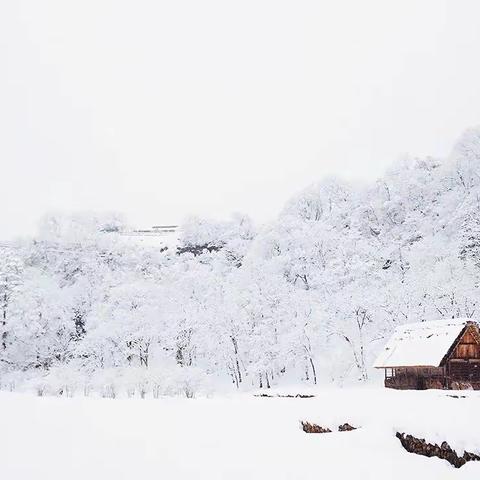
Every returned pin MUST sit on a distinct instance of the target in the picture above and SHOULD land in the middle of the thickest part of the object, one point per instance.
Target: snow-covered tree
(309, 297)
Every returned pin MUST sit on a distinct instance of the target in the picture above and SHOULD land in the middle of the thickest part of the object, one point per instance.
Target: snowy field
(235, 437)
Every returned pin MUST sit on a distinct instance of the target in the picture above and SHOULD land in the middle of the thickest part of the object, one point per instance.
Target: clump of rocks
(298, 395)
(313, 428)
(444, 451)
(346, 427)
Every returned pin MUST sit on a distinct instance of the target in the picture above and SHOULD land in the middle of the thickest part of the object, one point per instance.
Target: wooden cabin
(441, 354)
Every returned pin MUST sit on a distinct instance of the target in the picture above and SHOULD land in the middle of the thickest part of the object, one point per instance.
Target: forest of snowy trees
(310, 297)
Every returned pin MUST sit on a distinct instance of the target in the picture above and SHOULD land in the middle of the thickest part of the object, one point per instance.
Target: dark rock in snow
(298, 395)
(346, 427)
(313, 428)
(444, 451)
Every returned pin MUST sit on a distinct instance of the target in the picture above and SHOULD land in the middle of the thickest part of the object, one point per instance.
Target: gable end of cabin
(456, 367)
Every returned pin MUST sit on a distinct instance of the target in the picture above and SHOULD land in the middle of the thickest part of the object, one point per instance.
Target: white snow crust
(235, 437)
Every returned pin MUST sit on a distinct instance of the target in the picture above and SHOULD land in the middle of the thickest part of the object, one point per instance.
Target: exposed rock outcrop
(346, 427)
(298, 395)
(444, 451)
(313, 428)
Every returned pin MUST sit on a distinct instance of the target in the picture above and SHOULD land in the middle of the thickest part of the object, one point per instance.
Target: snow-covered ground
(235, 437)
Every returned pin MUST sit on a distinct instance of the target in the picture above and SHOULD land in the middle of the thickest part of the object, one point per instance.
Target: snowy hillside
(311, 297)
(238, 437)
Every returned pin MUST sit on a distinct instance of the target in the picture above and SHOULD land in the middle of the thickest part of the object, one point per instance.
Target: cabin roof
(423, 344)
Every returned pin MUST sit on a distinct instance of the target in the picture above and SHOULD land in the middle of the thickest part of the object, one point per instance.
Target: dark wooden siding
(468, 347)
(460, 368)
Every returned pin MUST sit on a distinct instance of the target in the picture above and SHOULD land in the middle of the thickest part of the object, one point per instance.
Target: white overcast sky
(161, 109)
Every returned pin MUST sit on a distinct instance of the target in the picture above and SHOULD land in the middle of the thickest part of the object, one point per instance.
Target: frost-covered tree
(11, 269)
(309, 297)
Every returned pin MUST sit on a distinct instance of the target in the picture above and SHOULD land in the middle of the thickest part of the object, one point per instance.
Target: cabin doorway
(421, 385)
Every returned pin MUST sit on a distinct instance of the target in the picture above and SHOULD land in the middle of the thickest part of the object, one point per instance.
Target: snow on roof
(153, 237)
(421, 344)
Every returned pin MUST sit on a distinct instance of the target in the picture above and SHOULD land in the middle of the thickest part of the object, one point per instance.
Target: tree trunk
(313, 371)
